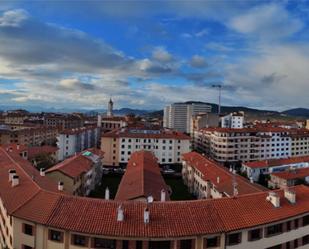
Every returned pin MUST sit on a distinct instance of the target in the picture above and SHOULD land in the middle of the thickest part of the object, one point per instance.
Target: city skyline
(148, 54)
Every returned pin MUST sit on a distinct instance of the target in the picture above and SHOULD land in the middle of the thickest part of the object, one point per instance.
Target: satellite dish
(150, 199)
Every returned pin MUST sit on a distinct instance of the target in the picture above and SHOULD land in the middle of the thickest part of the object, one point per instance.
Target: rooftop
(292, 174)
(142, 178)
(219, 176)
(39, 201)
(146, 133)
(276, 162)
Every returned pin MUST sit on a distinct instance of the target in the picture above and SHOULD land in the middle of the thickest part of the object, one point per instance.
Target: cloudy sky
(146, 54)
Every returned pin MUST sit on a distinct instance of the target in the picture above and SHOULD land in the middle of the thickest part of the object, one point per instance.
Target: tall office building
(178, 116)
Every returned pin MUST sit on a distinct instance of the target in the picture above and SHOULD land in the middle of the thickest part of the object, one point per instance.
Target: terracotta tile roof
(45, 149)
(139, 133)
(32, 201)
(142, 178)
(213, 172)
(17, 148)
(77, 130)
(246, 130)
(292, 174)
(73, 166)
(276, 162)
(167, 219)
(30, 180)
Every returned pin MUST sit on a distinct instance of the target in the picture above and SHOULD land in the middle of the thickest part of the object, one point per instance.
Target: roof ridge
(20, 167)
(30, 198)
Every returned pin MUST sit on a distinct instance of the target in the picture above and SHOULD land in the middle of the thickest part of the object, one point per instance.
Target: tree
(44, 161)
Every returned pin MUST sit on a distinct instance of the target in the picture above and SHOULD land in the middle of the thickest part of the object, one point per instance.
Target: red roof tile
(45, 149)
(139, 133)
(276, 162)
(142, 178)
(73, 166)
(31, 200)
(213, 172)
(292, 174)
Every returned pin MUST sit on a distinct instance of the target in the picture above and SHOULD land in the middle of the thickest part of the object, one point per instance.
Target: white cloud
(266, 21)
(13, 18)
(162, 55)
(198, 61)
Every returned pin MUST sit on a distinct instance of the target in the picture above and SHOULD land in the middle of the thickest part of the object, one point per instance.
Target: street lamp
(219, 86)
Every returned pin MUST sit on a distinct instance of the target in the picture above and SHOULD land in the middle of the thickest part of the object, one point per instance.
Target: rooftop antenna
(234, 183)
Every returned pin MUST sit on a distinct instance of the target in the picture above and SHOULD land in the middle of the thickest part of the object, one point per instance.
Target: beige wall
(68, 182)
(107, 145)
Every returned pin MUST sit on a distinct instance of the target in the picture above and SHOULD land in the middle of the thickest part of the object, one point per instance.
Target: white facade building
(178, 116)
(234, 120)
(266, 167)
(76, 140)
(167, 146)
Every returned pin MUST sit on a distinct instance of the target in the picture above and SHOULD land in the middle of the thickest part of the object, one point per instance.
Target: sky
(147, 54)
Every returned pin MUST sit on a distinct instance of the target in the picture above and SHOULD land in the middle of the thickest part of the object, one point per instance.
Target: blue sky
(146, 54)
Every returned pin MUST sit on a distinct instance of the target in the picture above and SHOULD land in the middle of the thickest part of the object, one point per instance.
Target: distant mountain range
(250, 112)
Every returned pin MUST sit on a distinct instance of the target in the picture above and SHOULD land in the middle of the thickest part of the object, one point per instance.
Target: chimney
(274, 199)
(251, 179)
(163, 195)
(107, 193)
(42, 172)
(146, 215)
(12, 172)
(218, 179)
(290, 196)
(120, 214)
(15, 180)
(60, 186)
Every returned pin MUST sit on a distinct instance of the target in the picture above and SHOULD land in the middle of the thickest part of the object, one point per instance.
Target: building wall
(110, 146)
(69, 184)
(242, 146)
(40, 238)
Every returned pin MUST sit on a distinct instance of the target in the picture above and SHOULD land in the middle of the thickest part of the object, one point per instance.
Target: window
(273, 230)
(55, 235)
(255, 234)
(125, 244)
(139, 244)
(159, 244)
(306, 220)
(27, 229)
(26, 247)
(186, 244)
(104, 243)
(212, 242)
(305, 240)
(234, 239)
(79, 240)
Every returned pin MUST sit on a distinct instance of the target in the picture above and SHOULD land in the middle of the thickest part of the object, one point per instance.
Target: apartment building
(167, 146)
(28, 135)
(111, 123)
(204, 120)
(143, 180)
(289, 178)
(63, 121)
(42, 216)
(207, 179)
(72, 141)
(233, 120)
(178, 116)
(251, 144)
(265, 167)
(79, 174)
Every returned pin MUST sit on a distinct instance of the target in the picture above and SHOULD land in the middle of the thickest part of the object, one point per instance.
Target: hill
(298, 112)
